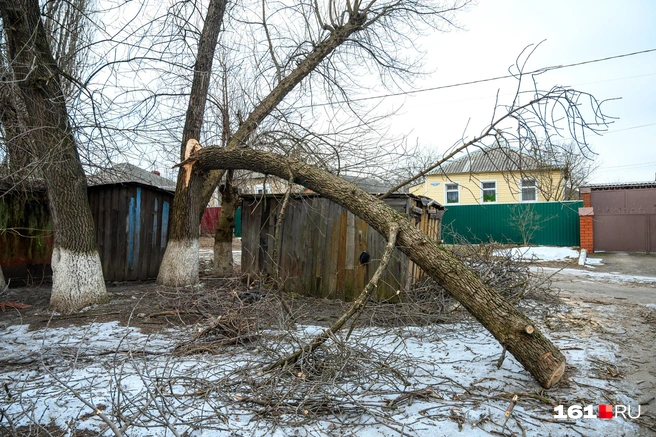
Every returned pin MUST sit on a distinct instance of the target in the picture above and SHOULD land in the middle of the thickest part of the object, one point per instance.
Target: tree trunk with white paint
(225, 228)
(179, 266)
(188, 204)
(77, 272)
(514, 330)
(76, 279)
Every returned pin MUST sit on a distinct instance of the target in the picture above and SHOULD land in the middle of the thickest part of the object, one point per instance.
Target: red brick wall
(587, 236)
(585, 197)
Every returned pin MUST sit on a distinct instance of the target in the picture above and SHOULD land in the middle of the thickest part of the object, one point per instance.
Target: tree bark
(77, 272)
(12, 118)
(190, 199)
(3, 284)
(508, 325)
(180, 262)
(225, 228)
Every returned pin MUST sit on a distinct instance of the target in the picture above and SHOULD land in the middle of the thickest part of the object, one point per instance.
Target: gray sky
(575, 31)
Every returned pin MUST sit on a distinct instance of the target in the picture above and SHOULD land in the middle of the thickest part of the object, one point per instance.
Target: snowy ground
(438, 380)
(547, 254)
(72, 377)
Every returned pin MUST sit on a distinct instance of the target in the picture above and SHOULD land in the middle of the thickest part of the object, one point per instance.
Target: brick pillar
(586, 218)
(584, 195)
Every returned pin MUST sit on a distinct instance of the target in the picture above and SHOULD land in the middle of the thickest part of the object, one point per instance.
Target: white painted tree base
(223, 262)
(179, 266)
(77, 280)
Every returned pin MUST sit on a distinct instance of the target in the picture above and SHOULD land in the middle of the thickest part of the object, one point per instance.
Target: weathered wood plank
(321, 245)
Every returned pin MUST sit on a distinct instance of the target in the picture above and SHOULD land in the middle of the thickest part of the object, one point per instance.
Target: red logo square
(605, 411)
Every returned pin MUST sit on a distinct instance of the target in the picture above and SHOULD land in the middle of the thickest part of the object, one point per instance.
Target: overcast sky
(575, 31)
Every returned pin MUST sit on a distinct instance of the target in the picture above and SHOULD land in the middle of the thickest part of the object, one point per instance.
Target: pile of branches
(515, 278)
(232, 328)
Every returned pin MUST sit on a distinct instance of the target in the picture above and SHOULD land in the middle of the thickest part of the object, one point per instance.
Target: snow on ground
(208, 255)
(540, 253)
(118, 370)
(614, 278)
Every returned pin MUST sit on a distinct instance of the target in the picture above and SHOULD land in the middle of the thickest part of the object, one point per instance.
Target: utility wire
(645, 164)
(491, 79)
(630, 128)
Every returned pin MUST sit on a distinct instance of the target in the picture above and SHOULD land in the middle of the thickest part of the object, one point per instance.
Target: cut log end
(529, 329)
(555, 376)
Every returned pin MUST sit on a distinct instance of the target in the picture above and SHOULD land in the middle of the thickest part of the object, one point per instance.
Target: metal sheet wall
(26, 236)
(540, 223)
(624, 219)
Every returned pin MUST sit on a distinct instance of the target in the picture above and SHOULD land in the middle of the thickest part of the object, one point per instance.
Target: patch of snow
(547, 253)
(540, 253)
(208, 255)
(108, 364)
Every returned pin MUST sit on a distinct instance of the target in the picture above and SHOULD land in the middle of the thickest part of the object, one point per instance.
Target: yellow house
(493, 175)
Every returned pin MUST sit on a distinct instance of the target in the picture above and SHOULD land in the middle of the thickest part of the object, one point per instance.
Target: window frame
(534, 187)
(446, 192)
(496, 191)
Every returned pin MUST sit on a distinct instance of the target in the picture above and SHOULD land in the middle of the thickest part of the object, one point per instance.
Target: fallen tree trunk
(514, 330)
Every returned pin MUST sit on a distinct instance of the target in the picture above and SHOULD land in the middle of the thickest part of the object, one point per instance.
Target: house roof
(369, 185)
(126, 173)
(490, 160)
(619, 185)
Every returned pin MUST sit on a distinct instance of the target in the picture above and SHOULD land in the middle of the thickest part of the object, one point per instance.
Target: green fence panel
(539, 223)
(238, 222)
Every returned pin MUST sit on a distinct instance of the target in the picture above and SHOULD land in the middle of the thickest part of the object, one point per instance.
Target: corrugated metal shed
(26, 236)
(131, 210)
(490, 160)
(322, 243)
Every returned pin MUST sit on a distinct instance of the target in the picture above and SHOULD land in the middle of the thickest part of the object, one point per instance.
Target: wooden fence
(323, 247)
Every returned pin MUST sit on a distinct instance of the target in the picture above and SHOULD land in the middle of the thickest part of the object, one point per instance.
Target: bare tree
(180, 263)
(77, 272)
(511, 327)
(573, 170)
(312, 51)
(67, 24)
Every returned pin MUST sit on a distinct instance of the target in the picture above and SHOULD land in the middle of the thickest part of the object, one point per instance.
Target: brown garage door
(624, 219)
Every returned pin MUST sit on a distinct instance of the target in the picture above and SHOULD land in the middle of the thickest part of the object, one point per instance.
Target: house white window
(489, 191)
(451, 193)
(528, 189)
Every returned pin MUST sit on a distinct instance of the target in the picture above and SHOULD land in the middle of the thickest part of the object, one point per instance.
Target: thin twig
(357, 306)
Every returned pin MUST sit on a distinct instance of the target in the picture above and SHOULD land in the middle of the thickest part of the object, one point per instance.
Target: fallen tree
(513, 329)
